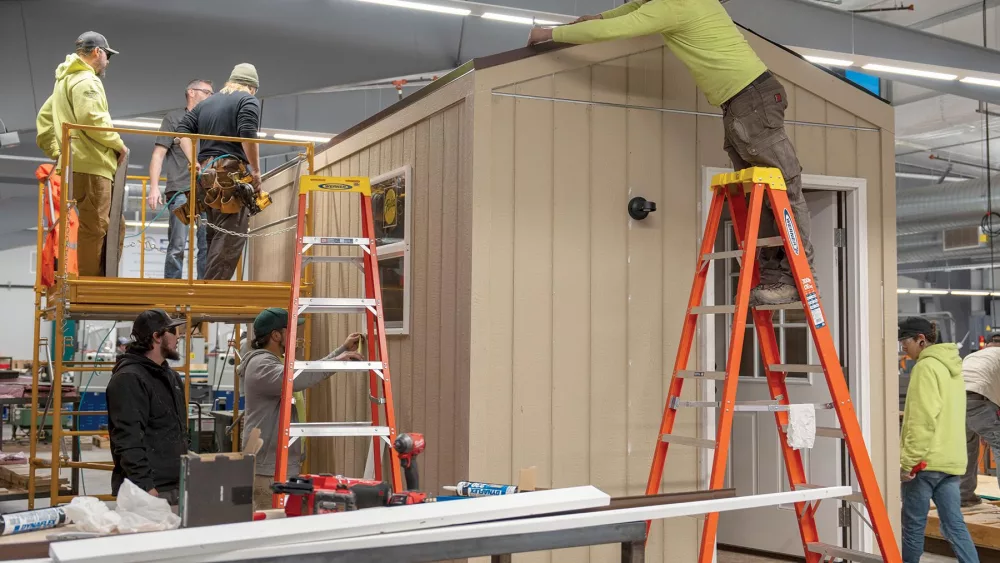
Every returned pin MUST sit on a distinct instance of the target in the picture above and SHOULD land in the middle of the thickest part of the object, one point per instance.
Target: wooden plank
(644, 337)
(532, 353)
(435, 218)
(419, 256)
(810, 142)
(608, 268)
(449, 297)
(983, 522)
(205, 542)
(571, 293)
(402, 366)
(463, 311)
(356, 449)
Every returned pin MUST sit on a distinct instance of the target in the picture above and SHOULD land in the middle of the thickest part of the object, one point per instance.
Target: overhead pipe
(930, 254)
(962, 199)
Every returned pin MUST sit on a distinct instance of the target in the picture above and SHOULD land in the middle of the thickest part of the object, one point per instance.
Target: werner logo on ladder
(733, 188)
(377, 366)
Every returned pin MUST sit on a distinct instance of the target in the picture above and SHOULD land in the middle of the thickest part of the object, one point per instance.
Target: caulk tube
(475, 489)
(31, 520)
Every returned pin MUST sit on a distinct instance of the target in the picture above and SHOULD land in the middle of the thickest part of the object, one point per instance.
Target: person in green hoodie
(78, 97)
(932, 441)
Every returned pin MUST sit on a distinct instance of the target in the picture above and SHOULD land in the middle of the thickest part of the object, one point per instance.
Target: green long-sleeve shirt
(699, 32)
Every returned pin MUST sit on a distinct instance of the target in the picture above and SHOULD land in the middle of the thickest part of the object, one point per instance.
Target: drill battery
(326, 493)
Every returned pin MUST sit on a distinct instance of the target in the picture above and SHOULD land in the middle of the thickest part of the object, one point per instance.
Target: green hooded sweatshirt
(78, 97)
(934, 415)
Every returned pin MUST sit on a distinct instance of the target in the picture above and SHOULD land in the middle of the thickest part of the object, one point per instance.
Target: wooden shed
(535, 323)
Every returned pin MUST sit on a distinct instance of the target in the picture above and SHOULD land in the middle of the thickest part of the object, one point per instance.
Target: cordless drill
(409, 446)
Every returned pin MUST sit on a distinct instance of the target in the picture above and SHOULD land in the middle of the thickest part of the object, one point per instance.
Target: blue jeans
(917, 493)
(177, 232)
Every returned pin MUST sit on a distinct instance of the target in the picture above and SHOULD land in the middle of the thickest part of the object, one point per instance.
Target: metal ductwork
(932, 253)
(917, 227)
(922, 241)
(960, 199)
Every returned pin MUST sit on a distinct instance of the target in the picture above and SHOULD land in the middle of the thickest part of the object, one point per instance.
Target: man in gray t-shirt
(169, 158)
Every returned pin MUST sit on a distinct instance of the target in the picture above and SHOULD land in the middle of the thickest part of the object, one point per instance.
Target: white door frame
(858, 342)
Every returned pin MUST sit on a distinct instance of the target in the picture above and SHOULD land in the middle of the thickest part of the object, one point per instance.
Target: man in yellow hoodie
(727, 70)
(932, 441)
(78, 97)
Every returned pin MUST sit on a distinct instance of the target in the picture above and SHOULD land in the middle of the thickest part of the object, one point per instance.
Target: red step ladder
(760, 183)
(377, 366)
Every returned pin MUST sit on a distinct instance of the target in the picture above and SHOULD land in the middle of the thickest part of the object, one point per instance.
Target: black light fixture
(639, 208)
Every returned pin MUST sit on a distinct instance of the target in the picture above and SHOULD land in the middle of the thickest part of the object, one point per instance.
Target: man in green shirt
(703, 36)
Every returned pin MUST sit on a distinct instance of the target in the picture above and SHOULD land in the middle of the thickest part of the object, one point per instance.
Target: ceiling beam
(798, 23)
(951, 15)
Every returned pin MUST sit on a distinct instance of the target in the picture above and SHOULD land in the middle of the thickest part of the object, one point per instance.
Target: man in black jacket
(146, 409)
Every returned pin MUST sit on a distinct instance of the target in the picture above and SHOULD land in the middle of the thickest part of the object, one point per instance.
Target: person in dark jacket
(146, 409)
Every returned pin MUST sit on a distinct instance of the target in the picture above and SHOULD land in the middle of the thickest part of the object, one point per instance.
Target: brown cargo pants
(224, 250)
(754, 121)
(93, 203)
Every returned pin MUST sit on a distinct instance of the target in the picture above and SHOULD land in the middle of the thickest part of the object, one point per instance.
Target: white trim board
(189, 543)
(535, 525)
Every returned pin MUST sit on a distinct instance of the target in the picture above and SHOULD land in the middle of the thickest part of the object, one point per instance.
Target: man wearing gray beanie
(233, 112)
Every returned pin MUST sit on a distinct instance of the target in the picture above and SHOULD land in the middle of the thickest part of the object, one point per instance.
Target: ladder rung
(770, 241)
(335, 241)
(722, 255)
(827, 550)
(688, 441)
(823, 431)
(342, 259)
(796, 305)
(304, 429)
(331, 365)
(743, 406)
(713, 309)
(334, 305)
(796, 368)
(693, 374)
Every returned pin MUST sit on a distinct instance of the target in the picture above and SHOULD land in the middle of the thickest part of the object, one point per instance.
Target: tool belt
(226, 184)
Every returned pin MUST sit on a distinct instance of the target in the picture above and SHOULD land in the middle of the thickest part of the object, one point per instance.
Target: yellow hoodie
(78, 97)
(934, 417)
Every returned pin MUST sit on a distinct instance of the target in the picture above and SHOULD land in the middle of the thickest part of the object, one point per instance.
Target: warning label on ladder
(814, 309)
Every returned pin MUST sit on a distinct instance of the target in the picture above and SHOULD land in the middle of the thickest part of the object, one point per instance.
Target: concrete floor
(736, 557)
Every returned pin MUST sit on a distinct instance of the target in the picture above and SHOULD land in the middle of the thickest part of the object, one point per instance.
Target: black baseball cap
(913, 326)
(152, 321)
(91, 39)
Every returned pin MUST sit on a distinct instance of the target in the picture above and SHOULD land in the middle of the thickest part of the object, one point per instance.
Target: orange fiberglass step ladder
(377, 366)
(734, 187)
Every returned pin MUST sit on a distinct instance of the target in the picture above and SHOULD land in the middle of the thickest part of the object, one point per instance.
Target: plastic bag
(91, 515)
(142, 512)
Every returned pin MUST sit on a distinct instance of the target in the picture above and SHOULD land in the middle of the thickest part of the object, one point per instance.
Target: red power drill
(409, 446)
(325, 493)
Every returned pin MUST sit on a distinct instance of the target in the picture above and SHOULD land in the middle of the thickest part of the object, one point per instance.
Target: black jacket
(146, 423)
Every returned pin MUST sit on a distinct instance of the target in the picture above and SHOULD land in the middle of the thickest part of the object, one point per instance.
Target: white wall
(17, 268)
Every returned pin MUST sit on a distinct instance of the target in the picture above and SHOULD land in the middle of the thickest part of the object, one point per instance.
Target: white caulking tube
(475, 489)
(31, 520)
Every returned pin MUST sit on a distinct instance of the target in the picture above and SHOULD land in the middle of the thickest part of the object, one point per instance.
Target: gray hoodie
(261, 372)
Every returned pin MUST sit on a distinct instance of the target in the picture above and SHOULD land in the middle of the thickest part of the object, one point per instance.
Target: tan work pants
(93, 203)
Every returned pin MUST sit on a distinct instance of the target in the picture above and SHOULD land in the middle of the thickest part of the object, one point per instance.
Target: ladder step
(335, 241)
(797, 305)
(827, 550)
(692, 374)
(713, 309)
(330, 365)
(823, 431)
(304, 429)
(341, 259)
(766, 405)
(688, 441)
(770, 241)
(722, 255)
(334, 305)
(796, 368)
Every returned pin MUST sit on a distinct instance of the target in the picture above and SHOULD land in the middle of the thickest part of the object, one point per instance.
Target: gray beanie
(245, 73)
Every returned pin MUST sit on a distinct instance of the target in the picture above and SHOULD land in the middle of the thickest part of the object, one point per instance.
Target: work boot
(972, 501)
(773, 294)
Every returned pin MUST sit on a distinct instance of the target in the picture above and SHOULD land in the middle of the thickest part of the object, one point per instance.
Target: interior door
(755, 463)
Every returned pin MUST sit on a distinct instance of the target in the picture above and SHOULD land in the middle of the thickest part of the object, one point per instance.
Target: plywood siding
(578, 308)
(429, 366)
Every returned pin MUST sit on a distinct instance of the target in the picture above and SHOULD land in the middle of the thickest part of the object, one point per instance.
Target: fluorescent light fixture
(136, 124)
(827, 61)
(918, 176)
(970, 292)
(995, 293)
(508, 18)
(302, 138)
(261, 134)
(900, 290)
(909, 71)
(421, 6)
(546, 22)
(980, 81)
(929, 291)
(150, 225)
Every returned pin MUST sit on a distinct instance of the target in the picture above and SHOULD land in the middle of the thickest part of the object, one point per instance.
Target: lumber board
(202, 543)
(982, 520)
